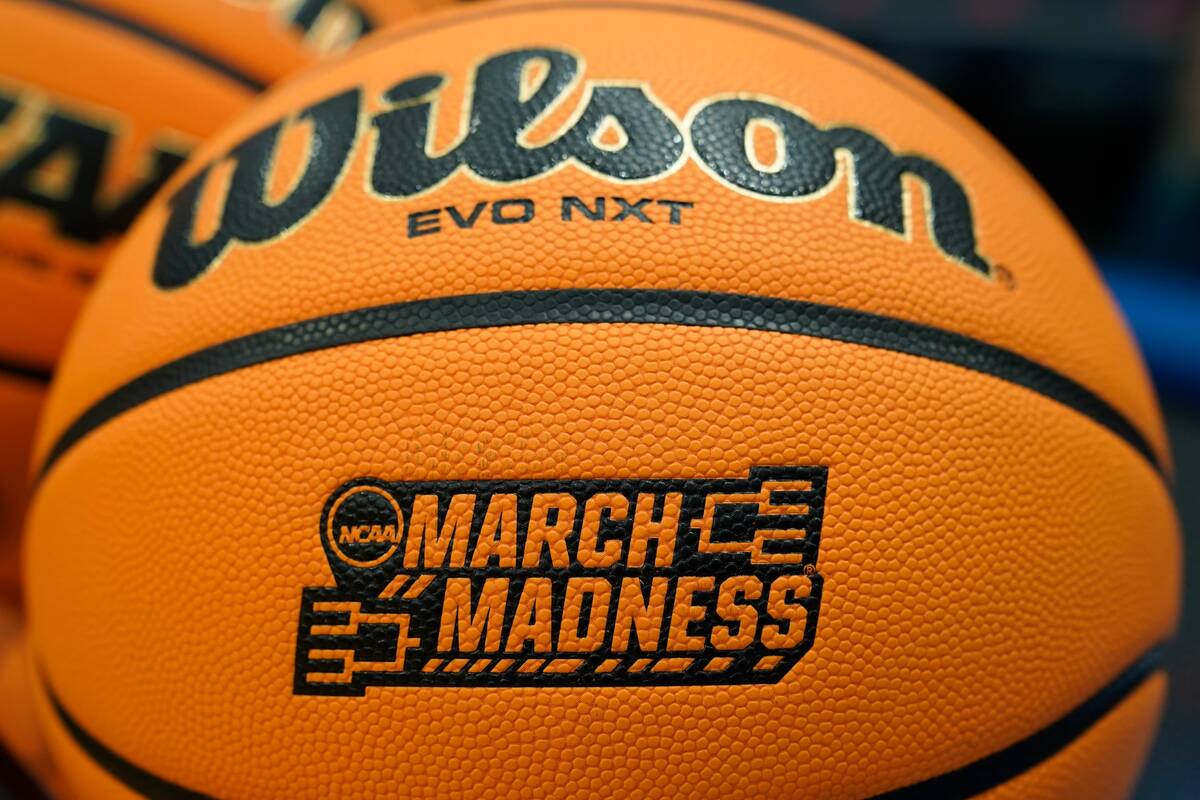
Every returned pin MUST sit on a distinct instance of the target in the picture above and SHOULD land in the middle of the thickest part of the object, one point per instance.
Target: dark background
(1100, 99)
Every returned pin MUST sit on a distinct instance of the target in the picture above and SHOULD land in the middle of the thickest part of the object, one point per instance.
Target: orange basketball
(23, 753)
(613, 399)
(100, 101)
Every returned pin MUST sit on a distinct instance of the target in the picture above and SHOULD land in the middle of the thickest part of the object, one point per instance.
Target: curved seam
(591, 306)
(1015, 760)
(964, 782)
(159, 38)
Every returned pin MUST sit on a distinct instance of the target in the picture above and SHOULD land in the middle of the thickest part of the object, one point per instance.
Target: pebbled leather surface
(991, 557)
(971, 594)
(1058, 314)
(599, 306)
(1100, 763)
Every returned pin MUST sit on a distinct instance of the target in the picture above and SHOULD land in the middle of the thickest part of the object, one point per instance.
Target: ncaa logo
(364, 526)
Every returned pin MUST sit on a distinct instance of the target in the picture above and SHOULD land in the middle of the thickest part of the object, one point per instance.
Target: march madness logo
(564, 582)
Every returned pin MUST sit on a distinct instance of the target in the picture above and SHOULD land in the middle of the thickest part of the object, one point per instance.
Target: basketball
(100, 101)
(609, 399)
(24, 754)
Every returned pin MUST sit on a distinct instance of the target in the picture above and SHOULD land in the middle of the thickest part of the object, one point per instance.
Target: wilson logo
(57, 161)
(620, 131)
(514, 583)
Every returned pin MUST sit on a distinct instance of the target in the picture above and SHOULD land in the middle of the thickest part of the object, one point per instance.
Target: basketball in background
(600, 400)
(25, 767)
(100, 101)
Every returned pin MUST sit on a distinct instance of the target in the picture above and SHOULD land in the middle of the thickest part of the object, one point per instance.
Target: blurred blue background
(1100, 99)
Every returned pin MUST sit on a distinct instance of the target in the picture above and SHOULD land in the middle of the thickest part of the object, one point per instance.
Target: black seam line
(26, 372)
(626, 306)
(139, 780)
(1000, 767)
(976, 777)
(159, 38)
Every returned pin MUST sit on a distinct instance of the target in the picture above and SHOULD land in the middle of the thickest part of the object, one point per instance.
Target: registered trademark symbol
(810, 569)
